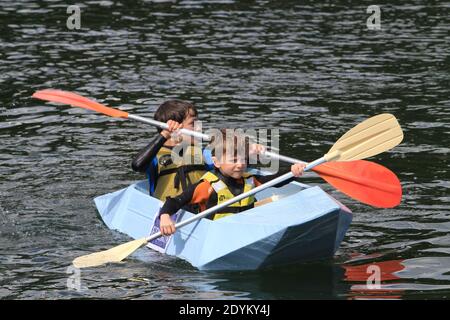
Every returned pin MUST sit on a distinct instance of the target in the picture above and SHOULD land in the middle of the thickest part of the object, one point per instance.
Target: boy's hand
(166, 225)
(297, 169)
(173, 126)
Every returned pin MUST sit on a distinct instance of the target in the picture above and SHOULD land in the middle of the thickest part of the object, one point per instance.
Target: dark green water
(311, 70)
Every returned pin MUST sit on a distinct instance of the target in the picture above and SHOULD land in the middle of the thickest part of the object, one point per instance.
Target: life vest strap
(223, 194)
(181, 174)
(186, 168)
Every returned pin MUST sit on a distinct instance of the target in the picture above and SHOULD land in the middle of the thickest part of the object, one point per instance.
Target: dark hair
(229, 138)
(176, 110)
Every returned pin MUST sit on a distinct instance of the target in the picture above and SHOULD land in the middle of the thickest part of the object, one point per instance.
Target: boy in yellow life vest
(229, 179)
(170, 174)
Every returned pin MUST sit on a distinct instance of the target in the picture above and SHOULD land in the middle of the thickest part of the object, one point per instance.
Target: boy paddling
(168, 175)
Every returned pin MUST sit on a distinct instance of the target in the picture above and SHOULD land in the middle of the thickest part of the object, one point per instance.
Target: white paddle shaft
(205, 137)
(163, 125)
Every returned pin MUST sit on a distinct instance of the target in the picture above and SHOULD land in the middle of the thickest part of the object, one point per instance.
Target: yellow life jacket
(174, 176)
(224, 194)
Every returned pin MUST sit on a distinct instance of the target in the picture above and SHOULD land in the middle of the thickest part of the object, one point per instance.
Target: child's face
(231, 166)
(188, 123)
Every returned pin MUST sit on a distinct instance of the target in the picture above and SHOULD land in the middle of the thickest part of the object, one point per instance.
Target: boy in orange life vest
(168, 178)
(228, 180)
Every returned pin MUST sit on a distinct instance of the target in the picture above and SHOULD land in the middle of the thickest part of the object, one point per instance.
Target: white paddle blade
(371, 137)
(115, 254)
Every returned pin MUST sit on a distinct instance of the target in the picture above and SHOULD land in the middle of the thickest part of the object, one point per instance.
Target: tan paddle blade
(371, 137)
(78, 101)
(115, 254)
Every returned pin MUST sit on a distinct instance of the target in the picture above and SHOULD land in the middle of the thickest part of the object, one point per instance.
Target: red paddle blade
(364, 181)
(77, 101)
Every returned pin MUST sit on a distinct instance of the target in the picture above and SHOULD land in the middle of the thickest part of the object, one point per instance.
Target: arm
(172, 205)
(145, 156)
(197, 193)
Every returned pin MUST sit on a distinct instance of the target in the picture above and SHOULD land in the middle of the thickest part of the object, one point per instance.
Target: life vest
(170, 177)
(224, 194)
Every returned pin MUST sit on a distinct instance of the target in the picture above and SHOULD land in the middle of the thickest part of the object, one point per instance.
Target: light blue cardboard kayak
(304, 224)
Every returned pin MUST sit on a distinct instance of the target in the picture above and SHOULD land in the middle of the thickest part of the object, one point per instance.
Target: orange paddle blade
(364, 181)
(78, 101)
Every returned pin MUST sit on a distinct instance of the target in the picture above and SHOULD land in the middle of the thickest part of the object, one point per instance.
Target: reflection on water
(374, 279)
(315, 281)
(311, 70)
(395, 279)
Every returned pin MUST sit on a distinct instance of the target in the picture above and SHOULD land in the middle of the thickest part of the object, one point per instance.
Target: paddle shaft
(163, 125)
(282, 158)
(266, 185)
(203, 136)
(79, 101)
